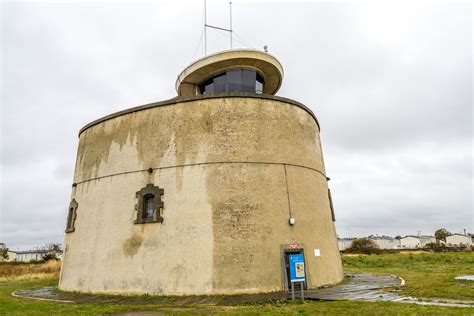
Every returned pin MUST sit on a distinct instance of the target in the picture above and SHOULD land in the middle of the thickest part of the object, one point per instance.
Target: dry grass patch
(29, 270)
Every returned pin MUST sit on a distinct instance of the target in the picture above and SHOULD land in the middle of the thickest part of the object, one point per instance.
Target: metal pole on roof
(230, 30)
(216, 27)
(205, 30)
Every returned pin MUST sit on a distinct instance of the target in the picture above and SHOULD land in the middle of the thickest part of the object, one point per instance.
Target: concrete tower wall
(233, 168)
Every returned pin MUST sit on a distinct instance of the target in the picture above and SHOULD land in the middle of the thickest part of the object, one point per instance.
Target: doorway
(286, 262)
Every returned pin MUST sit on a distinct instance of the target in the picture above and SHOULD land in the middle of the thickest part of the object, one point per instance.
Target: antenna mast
(205, 29)
(216, 27)
(230, 30)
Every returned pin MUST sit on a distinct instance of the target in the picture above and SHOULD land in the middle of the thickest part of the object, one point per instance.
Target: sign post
(297, 273)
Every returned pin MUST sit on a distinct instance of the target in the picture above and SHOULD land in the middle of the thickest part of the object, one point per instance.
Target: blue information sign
(297, 268)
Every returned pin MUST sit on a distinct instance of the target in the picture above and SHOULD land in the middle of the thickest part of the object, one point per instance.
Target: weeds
(29, 270)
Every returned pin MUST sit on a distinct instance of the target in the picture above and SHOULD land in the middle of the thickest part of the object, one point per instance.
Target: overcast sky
(390, 82)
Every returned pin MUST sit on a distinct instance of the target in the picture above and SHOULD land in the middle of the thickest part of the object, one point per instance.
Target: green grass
(17, 306)
(429, 275)
(434, 271)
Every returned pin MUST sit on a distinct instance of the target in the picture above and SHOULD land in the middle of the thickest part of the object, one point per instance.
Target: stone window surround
(71, 216)
(157, 193)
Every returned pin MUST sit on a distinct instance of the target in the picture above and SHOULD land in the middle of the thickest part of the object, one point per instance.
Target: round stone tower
(206, 193)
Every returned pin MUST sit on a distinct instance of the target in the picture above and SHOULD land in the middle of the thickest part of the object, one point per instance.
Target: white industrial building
(344, 243)
(385, 242)
(459, 240)
(412, 242)
(26, 256)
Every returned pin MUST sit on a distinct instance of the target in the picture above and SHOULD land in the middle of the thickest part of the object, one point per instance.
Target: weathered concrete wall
(228, 167)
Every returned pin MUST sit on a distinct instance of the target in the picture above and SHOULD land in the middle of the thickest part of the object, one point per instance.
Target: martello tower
(205, 193)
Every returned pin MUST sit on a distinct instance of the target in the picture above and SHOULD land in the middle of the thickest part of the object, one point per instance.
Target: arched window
(149, 205)
(71, 216)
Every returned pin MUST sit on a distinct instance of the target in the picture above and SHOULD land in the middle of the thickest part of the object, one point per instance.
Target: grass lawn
(435, 273)
(428, 275)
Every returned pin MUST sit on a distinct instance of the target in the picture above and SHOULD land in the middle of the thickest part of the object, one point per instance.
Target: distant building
(459, 240)
(344, 243)
(26, 256)
(415, 242)
(410, 242)
(426, 239)
(385, 242)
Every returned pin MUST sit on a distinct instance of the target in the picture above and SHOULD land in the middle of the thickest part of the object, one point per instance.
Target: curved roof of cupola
(209, 66)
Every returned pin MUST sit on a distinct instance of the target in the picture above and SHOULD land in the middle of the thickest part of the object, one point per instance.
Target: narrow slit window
(71, 216)
(149, 206)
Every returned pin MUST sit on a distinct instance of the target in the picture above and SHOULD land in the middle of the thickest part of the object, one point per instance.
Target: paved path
(361, 287)
(373, 288)
(357, 287)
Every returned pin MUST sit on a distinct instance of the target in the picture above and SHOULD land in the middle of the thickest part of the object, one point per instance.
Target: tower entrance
(292, 250)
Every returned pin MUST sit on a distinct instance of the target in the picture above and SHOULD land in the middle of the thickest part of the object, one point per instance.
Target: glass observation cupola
(239, 70)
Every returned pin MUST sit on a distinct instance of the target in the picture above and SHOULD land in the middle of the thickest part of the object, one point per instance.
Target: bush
(441, 235)
(52, 252)
(364, 246)
(4, 253)
(437, 247)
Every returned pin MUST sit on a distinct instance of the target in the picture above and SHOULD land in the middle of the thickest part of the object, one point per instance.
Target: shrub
(4, 253)
(441, 235)
(364, 246)
(52, 252)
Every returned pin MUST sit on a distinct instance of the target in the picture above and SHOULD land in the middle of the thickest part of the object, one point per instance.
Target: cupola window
(236, 80)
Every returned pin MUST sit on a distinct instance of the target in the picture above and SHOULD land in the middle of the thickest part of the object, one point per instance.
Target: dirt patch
(130, 246)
